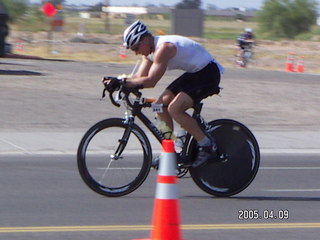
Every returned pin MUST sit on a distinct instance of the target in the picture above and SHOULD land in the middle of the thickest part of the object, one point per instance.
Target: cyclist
(200, 80)
(245, 39)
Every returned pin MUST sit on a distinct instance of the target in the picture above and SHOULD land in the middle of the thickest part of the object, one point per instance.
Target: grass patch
(213, 29)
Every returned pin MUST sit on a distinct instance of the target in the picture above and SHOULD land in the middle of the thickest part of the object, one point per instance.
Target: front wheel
(246, 57)
(240, 166)
(114, 158)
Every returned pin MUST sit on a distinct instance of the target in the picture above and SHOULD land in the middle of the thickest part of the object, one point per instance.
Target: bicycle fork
(124, 139)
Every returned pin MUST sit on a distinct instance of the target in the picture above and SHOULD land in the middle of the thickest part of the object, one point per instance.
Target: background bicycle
(245, 56)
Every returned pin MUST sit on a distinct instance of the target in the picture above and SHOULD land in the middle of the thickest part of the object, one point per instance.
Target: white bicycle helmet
(133, 33)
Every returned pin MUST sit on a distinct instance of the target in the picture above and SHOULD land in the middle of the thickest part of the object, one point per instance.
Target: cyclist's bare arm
(143, 68)
(249, 40)
(157, 68)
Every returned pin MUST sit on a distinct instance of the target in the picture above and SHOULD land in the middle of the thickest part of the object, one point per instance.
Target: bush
(16, 8)
(287, 18)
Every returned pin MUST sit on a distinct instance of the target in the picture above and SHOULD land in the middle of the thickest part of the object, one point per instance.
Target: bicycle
(245, 56)
(115, 155)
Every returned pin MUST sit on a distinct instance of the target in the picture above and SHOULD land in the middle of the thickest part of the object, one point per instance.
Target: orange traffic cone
(166, 214)
(300, 65)
(123, 52)
(19, 46)
(290, 62)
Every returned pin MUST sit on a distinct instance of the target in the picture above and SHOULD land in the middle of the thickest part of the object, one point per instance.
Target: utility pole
(106, 17)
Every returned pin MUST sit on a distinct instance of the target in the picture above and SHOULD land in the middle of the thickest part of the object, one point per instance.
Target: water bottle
(167, 132)
(181, 137)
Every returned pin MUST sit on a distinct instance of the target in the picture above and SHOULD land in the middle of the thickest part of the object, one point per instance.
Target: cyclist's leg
(165, 98)
(197, 87)
(177, 110)
(241, 50)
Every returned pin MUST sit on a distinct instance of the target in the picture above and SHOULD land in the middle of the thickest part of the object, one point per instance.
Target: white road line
(293, 190)
(289, 151)
(59, 151)
(289, 168)
(14, 145)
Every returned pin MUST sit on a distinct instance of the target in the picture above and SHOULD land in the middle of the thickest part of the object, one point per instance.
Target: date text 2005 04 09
(254, 214)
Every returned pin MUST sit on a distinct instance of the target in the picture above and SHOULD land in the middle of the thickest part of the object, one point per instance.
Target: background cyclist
(200, 80)
(245, 39)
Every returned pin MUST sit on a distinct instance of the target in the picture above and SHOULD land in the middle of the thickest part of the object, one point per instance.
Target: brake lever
(110, 96)
(112, 100)
(103, 93)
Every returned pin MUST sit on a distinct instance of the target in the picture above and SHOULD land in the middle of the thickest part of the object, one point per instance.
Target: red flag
(48, 9)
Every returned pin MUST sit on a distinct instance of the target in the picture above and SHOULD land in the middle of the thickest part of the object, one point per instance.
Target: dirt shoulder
(270, 55)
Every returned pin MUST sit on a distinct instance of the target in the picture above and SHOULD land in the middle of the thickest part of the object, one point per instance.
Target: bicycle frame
(135, 107)
(149, 124)
(137, 112)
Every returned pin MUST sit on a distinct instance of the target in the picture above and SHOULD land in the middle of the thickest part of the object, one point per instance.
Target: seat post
(197, 108)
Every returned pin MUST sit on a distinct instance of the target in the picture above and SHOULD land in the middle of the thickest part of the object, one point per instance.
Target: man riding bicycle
(200, 80)
(244, 40)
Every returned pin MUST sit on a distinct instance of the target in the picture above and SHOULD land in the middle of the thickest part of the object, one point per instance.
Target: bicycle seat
(149, 100)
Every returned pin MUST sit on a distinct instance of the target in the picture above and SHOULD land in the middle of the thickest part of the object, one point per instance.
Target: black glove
(112, 83)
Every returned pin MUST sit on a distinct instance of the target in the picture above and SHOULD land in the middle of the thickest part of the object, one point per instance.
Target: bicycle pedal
(155, 163)
(155, 167)
(185, 165)
(223, 158)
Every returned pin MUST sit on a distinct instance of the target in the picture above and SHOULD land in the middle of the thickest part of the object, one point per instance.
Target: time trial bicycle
(115, 155)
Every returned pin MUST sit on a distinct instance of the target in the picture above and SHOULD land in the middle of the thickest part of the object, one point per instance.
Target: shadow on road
(20, 73)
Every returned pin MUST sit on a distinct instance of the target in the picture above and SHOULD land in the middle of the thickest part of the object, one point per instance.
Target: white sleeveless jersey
(190, 57)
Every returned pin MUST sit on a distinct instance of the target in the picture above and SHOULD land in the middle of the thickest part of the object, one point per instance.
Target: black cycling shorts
(198, 85)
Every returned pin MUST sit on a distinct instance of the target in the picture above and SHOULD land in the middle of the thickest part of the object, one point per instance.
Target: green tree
(16, 8)
(287, 18)
(189, 4)
(54, 2)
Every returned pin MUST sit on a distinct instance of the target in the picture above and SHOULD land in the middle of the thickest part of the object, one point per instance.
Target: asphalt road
(44, 198)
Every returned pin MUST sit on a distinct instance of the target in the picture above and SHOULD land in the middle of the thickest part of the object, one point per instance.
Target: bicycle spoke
(105, 171)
